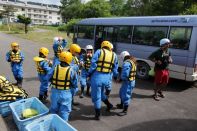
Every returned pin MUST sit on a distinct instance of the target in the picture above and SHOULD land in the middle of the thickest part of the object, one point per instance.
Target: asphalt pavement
(176, 112)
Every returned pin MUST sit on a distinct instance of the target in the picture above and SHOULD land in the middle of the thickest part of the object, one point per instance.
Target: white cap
(123, 54)
(89, 47)
(164, 41)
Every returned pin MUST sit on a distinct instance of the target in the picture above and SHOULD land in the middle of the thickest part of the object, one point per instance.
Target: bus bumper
(191, 77)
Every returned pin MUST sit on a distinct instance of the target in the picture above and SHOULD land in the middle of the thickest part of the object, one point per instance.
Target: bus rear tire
(142, 70)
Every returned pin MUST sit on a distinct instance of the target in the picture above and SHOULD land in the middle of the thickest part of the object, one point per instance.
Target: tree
(191, 11)
(138, 8)
(69, 26)
(116, 7)
(96, 8)
(7, 12)
(168, 7)
(70, 9)
(25, 20)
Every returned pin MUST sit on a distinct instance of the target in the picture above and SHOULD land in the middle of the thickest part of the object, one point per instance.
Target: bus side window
(149, 35)
(124, 34)
(86, 32)
(180, 37)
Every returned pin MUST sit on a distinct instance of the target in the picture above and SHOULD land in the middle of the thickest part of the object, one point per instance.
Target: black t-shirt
(163, 56)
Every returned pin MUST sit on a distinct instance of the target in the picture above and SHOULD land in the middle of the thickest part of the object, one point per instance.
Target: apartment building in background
(42, 12)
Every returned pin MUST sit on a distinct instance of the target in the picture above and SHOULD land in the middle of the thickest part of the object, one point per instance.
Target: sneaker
(123, 113)
(161, 94)
(155, 97)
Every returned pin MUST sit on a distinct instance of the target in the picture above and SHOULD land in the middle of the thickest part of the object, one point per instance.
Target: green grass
(47, 27)
(44, 37)
(14, 27)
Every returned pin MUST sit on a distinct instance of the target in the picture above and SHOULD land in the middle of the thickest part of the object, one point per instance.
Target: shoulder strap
(56, 76)
(66, 77)
(104, 53)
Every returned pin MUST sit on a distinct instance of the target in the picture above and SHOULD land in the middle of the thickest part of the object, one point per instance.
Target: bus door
(105, 33)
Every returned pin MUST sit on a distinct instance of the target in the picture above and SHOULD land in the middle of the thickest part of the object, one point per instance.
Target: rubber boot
(108, 104)
(120, 106)
(45, 95)
(88, 90)
(19, 82)
(74, 105)
(107, 93)
(82, 92)
(41, 97)
(98, 113)
(124, 112)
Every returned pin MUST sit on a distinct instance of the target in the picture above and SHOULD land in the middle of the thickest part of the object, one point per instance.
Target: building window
(58, 18)
(23, 9)
(124, 34)
(180, 37)
(86, 32)
(50, 17)
(50, 12)
(149, 35)
(29, 10)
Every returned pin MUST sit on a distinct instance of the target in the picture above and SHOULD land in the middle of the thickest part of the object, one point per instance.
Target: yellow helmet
(14, 44)
(66, 56)
(74, 48)
(106, 44)
(44, 51)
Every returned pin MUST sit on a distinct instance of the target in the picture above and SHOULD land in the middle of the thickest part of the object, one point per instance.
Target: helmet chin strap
(64, 64)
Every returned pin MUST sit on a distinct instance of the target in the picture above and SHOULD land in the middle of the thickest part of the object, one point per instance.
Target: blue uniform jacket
(15, 65)
(56, 44)
(126, 68)
(94, 60)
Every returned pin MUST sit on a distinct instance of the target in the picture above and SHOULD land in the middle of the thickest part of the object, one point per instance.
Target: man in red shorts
(162, 59)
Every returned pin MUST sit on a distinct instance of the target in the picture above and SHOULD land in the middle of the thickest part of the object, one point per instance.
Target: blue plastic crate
(18, 107)
(50, 122)
(5, 108)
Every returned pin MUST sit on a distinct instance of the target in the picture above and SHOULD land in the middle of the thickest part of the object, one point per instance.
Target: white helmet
(89, 47)
(123, 54)
(57, 39)
(164, 41)
(112, 46)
